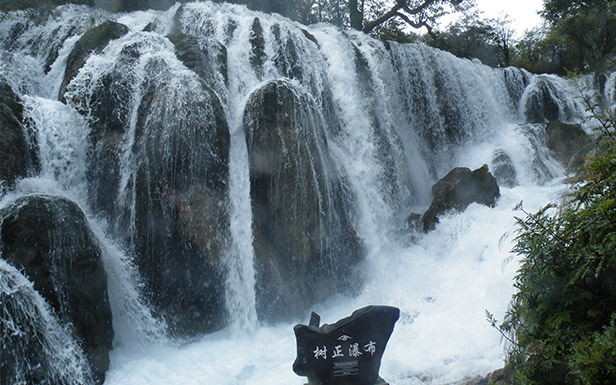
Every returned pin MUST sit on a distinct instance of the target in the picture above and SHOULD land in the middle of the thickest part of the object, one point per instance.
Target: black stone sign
(348, 352)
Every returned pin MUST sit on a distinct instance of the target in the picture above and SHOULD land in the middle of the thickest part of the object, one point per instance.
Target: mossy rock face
(458, 189)
(301, 211)
(94, 40)
(17, 153)
(568, 143)
(48, 238)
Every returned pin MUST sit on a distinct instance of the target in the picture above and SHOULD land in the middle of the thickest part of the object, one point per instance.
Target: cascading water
(52, 353)
(237, 169)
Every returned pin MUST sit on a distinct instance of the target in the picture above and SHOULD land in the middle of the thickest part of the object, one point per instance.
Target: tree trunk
(355, 15)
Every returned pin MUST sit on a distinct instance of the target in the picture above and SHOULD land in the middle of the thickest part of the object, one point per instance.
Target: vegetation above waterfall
(576, 36)
(562, 321)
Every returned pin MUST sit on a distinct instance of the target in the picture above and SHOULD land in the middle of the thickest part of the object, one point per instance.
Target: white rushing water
(443, 285)
(29, 314)
(407, 115)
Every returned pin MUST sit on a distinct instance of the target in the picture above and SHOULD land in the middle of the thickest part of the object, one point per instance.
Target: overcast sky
(523, 13)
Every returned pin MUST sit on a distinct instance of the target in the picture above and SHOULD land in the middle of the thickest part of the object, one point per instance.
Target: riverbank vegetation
(561, 326)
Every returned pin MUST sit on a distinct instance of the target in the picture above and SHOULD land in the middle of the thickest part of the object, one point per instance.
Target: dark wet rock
(503, 169)
(541, 106)
(230, 29)
(108, 112)
(257, 41)
(301, 209)
(310, 36)
(15, 33)
(107, 106)
(181, 187)
(56, 45)
(386, 142)
(541, 163)
(413, 221)
(94, 40)
(568, 143)
(600, 81)
(287, 59)
(17, 150)
(207, 57)
(48, 238)
(36, 348)
(174, 200)
(183, 19)
(133, 5)
(516, 80)
(502, 376)
(544, 103)
(458, 189)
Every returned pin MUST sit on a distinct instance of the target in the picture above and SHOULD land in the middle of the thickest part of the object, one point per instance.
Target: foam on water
(443, 284)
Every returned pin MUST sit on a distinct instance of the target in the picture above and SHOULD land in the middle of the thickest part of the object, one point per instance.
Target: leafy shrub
(562, 321)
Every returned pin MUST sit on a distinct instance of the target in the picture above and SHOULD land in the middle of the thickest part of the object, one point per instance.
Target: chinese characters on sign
(353, 349)
(320, 352)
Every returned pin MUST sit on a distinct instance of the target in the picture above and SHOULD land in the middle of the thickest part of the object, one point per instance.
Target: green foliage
(562, 321)
(579, 35)
(554, 10)
(470, 37)
(595, 358)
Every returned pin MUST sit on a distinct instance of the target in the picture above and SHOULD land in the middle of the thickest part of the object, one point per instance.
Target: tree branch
(412, 23)
(395, 11)
(368, 27)
(417, 10)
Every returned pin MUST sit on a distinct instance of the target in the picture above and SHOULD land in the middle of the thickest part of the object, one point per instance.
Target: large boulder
(17, 152)
(568, 143)
(158, 170)
(48, 239)
(94, 40)
(458, 189)
(181, 217)
(303, 231)
(36, 347)
(543, 101)
(107, 106)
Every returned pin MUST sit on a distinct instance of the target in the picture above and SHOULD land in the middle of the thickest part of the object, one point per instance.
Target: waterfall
(237, 170)
(61, 136)
(54, 356)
